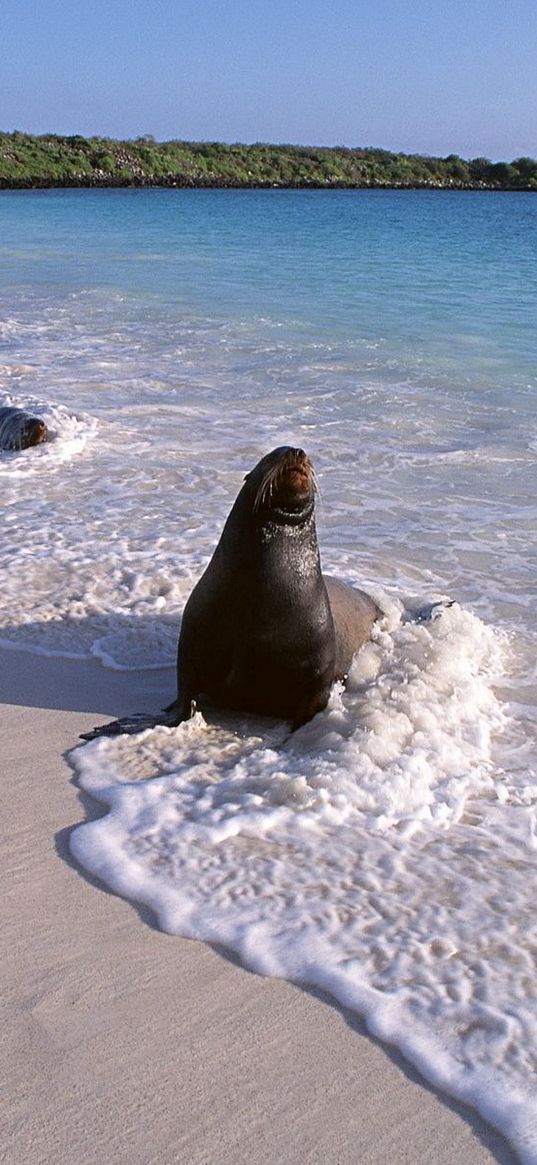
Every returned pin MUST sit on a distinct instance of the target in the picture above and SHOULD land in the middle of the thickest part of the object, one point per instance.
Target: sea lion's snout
(286, 481)
(296, 460)
(296, 474)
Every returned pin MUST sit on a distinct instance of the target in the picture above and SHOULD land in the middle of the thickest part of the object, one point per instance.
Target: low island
(50, 160)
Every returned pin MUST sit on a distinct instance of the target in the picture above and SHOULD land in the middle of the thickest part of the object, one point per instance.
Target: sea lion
(264, 630)
(19, 430)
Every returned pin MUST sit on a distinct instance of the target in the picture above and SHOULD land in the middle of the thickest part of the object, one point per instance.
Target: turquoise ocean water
(387, 851)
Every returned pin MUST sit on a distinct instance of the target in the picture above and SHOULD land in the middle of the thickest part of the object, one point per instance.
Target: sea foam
(365, 854)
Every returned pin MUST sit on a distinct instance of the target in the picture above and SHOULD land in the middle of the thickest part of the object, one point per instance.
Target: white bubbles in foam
(151, 645)
(366, 853)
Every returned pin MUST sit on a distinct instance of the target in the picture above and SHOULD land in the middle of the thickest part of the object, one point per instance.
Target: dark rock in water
(428, 612)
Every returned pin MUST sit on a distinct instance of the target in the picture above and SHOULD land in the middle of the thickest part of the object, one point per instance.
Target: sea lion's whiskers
(266, 486)
(314, 481)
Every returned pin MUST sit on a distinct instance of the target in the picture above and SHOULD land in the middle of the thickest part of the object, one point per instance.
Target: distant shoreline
(14, 186)
(51, 161)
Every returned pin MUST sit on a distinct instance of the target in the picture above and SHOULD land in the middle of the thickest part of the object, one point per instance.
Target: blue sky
(457, 76)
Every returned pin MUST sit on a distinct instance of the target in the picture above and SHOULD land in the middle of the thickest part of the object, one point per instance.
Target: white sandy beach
(123, 1044)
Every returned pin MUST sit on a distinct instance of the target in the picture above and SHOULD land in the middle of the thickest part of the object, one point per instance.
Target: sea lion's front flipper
(139, 722)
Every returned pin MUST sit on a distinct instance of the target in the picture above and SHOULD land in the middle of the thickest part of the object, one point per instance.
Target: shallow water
(386, 851)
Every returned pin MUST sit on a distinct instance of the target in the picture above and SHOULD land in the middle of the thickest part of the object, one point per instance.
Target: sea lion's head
(34, 432)
(19, 430)
(283, 485)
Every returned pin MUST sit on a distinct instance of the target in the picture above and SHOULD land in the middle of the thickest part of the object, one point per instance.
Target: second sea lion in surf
(19, 430)
(264, 631)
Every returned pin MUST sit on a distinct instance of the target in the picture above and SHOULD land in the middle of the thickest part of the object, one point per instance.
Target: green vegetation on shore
(52, 160)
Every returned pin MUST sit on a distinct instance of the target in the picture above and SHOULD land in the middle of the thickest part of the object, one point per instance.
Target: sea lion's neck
(287, 525)
(263, 543)
(300, 516)
(286, 554)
